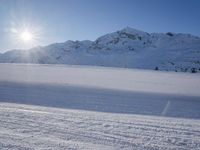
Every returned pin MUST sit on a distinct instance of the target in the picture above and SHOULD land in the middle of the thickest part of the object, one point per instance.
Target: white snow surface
(82, 107)
(24, 127)
(103, 77)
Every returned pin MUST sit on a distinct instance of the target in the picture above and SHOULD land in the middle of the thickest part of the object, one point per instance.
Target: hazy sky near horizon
(61, 20)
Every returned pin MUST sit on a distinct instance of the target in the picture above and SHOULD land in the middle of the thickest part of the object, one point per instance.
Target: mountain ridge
(129, 48)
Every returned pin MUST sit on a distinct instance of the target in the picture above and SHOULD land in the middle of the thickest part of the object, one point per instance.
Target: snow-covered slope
(103, 77)
(26, 127)
(128, 48)
(79, 107)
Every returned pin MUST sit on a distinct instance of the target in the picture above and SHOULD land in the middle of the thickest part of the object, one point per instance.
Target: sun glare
(26, 36)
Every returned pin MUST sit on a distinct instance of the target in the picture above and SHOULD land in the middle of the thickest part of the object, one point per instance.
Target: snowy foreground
(73, 107)
(31, 127)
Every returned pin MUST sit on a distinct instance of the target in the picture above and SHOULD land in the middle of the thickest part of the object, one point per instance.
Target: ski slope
(81, 107)
(32, 127)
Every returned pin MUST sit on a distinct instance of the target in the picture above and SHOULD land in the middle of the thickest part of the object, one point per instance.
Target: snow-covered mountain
(128, 47)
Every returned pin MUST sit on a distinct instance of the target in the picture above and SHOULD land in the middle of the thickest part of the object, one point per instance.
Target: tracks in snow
(33, 127)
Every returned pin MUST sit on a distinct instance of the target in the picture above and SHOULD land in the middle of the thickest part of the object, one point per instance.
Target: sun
(26, 36)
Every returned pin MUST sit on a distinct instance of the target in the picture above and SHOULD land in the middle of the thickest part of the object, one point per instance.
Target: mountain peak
(133, 31)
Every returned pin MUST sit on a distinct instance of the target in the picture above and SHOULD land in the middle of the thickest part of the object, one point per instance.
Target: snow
(127, 48)
(32, 127)
(84, 107)
(103, 77)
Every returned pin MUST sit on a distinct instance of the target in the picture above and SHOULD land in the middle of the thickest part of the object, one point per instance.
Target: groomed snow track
(31, 127)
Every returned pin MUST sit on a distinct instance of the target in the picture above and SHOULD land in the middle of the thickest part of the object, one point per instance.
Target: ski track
(34, 127)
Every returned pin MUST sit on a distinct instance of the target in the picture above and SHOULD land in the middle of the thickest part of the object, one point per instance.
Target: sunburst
(26, 36)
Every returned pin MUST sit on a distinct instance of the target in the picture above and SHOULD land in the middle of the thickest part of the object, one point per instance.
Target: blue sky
(62, 20)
